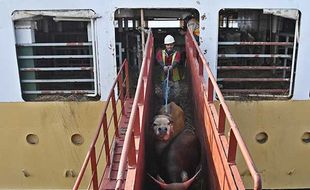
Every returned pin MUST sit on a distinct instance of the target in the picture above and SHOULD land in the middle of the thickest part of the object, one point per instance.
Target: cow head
(163, 127)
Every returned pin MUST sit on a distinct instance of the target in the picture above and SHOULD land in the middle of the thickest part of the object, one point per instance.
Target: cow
(179, 161)
(177, 116)
(163, 132)
(177, 149)
(168, 124)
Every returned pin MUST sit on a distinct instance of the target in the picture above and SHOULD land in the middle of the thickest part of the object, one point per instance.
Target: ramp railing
(112, 112)
(223, 151)
(133, 148)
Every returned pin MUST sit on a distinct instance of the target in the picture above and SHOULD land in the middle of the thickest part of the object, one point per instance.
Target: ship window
(56, 55)
(228, 19)
(257, 52)
(164, 24)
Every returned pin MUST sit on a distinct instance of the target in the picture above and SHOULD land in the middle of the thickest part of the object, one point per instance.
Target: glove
(166, 68)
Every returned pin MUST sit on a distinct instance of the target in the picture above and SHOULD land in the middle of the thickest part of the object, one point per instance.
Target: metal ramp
(124, 166)
(109, 138)
(110, 174)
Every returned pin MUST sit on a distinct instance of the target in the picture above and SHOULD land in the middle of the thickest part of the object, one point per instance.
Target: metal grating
(256, 54)
(56, 57)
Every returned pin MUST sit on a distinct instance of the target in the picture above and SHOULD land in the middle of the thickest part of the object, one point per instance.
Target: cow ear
(170, 118)
(156, 116)
(172, 129)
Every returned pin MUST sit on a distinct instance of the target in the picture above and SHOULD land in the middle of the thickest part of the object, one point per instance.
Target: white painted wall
(9, 80)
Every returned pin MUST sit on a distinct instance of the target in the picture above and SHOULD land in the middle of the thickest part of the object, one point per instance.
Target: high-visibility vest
(194, 26)
(175, 71)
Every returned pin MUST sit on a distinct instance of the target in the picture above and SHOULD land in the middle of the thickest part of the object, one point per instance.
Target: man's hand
(166, 68)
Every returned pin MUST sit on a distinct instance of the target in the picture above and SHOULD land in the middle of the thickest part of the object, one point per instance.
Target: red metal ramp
(117, 169)
(110, 174)
(220, 150)
(100, 166)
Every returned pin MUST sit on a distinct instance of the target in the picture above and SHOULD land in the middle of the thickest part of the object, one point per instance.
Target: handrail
(135, 125)
(104, 125)
(224, 113)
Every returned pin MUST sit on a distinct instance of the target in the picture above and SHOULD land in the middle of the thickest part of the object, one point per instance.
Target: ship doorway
(130, 34)
(130, 38)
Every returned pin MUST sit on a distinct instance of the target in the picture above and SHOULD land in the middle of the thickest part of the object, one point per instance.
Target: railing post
(200, 63)
(194, 53)
(232, 147)
(142, 91)
(121, 91)
(106, 138)
(221, 122)
(210, 90)
(127, 79)
(136, 126)
(132, 151)
(94, 168)
(114, 111)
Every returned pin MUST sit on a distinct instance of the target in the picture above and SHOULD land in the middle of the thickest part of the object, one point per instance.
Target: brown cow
(179, 160)
(177, 116)
(167, 125)
(163, 132)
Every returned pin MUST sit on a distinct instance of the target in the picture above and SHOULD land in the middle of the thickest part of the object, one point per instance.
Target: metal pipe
(93, 165)
(285, 60)
(82, 171)
(142, 29)
(294, 55)
(57, 69)
(71, 19)
(254, 56)
(252, 68)
(126, 24)
(254, 90)
(95, 62)
(256, 43)
(114, 115)
(54, 44)
(58, 91)
(56, 80)
(253, 79)
(127, 78)
(120, 24)
(55, 56)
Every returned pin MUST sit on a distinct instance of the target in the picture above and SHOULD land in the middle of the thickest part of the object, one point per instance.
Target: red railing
(120, 86)
(214, 122)
(140, 113)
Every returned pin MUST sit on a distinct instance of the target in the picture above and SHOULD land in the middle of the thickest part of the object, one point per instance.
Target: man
(193, 25)
(169, 59)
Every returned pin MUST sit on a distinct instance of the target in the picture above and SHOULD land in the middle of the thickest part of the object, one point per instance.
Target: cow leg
(184, 176)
